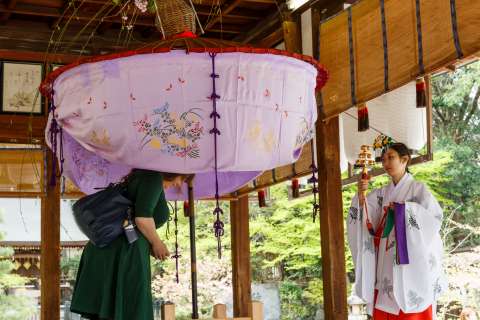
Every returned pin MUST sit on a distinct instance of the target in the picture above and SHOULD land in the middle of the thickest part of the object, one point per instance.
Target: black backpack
(101, 216)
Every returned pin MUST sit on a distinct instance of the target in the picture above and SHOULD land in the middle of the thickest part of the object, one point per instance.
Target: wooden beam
(263, 26)
(39, 11)
(6, 15)
(241, 269)
(226, 10)
(50, 247)
(22, 128)
(331, 220)
(272, 39)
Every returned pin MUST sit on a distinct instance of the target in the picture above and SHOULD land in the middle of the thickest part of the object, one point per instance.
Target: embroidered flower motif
(132, 97)
(432, 261)
(170, 133)
(267, 93)
(437, 289)
(412, 220)
(182, 81)
(391, 245)
(414, 299)
(306, 134)
(100, 139)
(353, 214)
(380, 201)
(387, 287)
(169, 87)
(368, 245)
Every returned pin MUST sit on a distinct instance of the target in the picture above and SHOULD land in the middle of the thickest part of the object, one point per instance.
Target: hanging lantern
(186, 209)
(261, 198)
(295, 188)
(363, 121)
(421, 93)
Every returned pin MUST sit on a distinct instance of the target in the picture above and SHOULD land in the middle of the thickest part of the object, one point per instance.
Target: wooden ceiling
(99, 26)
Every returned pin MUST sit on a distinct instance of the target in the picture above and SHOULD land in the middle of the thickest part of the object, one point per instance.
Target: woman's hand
(159, 250)
(362, 187)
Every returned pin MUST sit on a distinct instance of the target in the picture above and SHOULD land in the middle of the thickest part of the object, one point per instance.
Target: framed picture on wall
(19, 87)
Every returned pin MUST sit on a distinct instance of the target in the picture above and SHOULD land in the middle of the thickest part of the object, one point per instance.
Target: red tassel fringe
(261, 199)
(295, 188)
(421, 93)
(363, 122)
(186, 209)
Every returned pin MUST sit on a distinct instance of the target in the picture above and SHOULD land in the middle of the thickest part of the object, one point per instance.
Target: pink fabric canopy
(227, 114)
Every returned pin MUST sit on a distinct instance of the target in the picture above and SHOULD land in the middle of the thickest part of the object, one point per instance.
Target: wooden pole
(50, 245)
(429, 110)
(241, 273)
(193, 249)
(330, 192)
(331, 220)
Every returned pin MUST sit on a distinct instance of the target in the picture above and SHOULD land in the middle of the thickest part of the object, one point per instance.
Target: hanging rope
(218, 224)
(176, 256)
(54, 131)
(313, 180)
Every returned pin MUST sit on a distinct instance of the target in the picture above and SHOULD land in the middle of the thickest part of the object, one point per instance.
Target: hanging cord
(159, 19)
(218, 224)
(176, 256)
(313, 180)
(54, 131)
(196, 17)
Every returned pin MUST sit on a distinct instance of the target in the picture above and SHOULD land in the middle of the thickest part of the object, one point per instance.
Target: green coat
(114, 282)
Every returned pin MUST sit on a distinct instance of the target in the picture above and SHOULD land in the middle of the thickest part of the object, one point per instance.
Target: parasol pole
(193, 249)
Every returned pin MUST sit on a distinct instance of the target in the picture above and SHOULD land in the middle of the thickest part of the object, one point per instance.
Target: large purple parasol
(225, 113)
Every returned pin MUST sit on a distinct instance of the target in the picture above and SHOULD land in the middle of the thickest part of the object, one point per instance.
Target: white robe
(410, 287)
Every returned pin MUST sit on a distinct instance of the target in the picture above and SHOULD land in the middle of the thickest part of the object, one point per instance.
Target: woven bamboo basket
(176, 16)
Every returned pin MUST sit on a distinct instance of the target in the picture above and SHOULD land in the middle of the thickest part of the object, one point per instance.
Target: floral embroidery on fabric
(391, 245)
(97, 139)
(305, 135)
(414, 299)
(380, 201)
(432, 261)
(387, 287)
(170, 133)
(88, 170)
(260, 138)
(353, 213)
(412, 220)
(368, 245)
(437, 288)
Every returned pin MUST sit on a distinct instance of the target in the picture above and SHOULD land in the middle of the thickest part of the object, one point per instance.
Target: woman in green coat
(114, 282)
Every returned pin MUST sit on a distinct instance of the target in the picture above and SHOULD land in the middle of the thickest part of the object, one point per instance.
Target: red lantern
(295, 188)
(261, 198)
(186, 209)
(421, 93)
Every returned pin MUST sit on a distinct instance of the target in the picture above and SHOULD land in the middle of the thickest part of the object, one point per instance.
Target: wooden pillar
(241, 273)
(331, 220)
(428, 80)
(330, 192)
(50, 245)
(291, 36)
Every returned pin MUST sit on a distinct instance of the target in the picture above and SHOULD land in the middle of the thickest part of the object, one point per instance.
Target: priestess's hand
(362, 187)
(159, 250)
